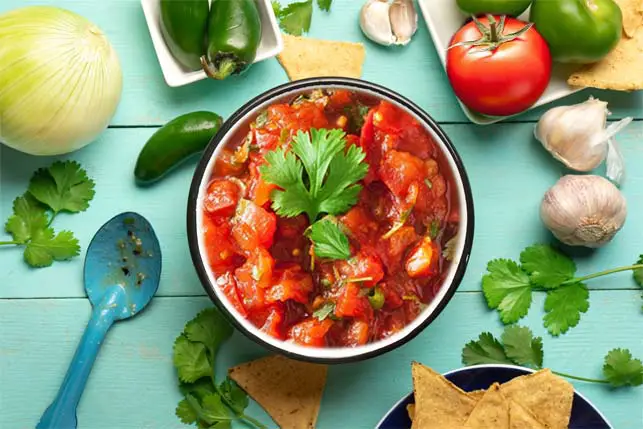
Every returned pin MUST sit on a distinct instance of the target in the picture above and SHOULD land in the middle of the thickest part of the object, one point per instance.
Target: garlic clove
(404, 21)
(375, 22)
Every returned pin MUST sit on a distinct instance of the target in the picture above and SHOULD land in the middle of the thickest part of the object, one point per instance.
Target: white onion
(60, 80)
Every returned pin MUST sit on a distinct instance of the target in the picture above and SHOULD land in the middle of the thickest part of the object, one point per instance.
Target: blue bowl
(584, 414)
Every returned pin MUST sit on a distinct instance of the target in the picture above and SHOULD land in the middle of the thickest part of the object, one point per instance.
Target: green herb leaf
(621, 369)
(331, 174)
(521, 347)
(507, 288)
(295, 18)
(547, 267)
(276, 8)
(28, 217)
(324, 4)
(208, 328)
(190, 360)
(487, 349)
(324, 311)
(638, 273)
(563, 307)
(186, 413)
(234, 395)
(213, 409)
(199, 388)
(63, 186)
(329, 240)
(44, 248)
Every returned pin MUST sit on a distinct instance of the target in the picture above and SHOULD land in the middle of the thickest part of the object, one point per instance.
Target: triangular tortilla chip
(439, 404)
(303, 57)
(547, 396)
(492, 411)
(632, 11)
(620, 70)
(476, 394)
(289, 390)
(520, 418)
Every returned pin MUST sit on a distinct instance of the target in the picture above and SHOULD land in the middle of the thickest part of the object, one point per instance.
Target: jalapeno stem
(219, 69)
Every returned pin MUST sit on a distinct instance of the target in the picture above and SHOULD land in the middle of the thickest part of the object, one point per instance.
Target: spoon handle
(61, 414)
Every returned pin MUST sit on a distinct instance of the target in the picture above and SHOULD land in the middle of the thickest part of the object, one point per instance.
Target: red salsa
(397, 230)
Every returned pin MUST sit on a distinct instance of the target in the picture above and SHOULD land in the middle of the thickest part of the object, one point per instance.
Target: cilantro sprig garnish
(317, 176)
(296, 17)
(207, 403)
(508, 286)
(63, 187)
(518, 346)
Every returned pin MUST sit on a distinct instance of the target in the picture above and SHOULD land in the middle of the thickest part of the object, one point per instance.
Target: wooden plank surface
(132, 385)
(414, 70)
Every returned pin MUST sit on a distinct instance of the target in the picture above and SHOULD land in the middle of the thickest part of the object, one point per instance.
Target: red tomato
(399, 170)
(260, 190)
(222, 197)
(269, 320)
(258, 268)
(422, 259)
(501, 81)
(229, 286)
(219, 244)
(310, 332)
(253, 226)
(351, 303)
(364, 264)
(291, 282)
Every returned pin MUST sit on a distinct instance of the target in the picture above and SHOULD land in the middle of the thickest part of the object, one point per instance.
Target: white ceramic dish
(443, 19)
(177, 75)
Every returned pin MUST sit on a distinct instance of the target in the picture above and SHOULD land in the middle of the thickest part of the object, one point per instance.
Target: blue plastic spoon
(122, 272)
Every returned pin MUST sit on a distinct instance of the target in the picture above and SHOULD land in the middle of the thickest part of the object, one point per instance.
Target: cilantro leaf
(522, 347)
(546, 266)
(507, 288)
(563, 307)
(621, 369)
(208, 328)
(185, 412)
(638, 273)
(295, 18)
(324, 311)
(234, 395)
(213, 410)
(199, 388)
(28, 217)
(329, 240)
(330, 174)
(487, 349)
(324, 4)
(190, 360)
(63, 186)
(44, 248)
(276, 7)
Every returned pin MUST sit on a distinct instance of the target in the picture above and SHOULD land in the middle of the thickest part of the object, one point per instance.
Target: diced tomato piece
(352, 140)
(226, 164)
(360, 224)
(258, 267)
(392, 295)
(357, 334)
(290, 242)
(351, 303)
(270, 320)
(365, 264)
(399, 170)
(340, 98)
(219, 245)
(253, 226)
(291, 282)
(310, 332)
(292, 227)
(422, 259)
(222, 197)
(228, 285)
(252, 296)
(391, 119)
(260, 190)
(417, 141)
(367, 142)
(399, 242)
(309, 115)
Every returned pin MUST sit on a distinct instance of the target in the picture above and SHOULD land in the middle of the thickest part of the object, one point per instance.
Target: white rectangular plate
(176, 74)
(444, 18)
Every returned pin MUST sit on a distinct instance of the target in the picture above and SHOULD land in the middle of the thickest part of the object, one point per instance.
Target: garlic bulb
(389, 23)
(577, 137)
(583, 210)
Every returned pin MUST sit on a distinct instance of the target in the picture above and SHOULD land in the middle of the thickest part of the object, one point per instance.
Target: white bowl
(176, 74)
(443, 18)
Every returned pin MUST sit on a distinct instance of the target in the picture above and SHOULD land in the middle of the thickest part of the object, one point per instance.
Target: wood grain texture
(509, 172)
(133, 385)
(415, 70)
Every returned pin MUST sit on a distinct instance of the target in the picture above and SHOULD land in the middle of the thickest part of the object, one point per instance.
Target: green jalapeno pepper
(234, 33)
(183, 25)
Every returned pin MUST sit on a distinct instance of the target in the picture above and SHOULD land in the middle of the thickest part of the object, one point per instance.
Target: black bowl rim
(309, 84)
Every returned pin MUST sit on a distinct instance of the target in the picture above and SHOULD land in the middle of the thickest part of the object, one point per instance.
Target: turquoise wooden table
(43, 312)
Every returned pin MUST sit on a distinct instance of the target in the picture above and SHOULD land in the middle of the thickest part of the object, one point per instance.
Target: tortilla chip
(547, 396)
(439, 403)
(620, 70)
(520, 418)
(303, 57)
(632, 11)
(476, 394)
(290, 391)
(410, 409)
(492, 411)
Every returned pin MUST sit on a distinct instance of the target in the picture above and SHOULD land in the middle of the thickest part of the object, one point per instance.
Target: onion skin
(60, 80)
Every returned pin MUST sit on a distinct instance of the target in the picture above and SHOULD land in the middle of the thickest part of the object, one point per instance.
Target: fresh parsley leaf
(621, 369)
(63, 186)
(507, 288)
(44, 248)
(324, 4)
(324, 311)
(329, 240)
(208, 328)
(330, 171)
(234, 395)
(563, 307)
(190, 360)
(487, 349)
(213, 410)
(199, 388)
(185, 412)
(547, 267)
(28, 218)
(276, 8)
(295, 18)
(521, 347)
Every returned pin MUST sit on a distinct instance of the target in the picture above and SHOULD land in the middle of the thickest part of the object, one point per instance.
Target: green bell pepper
(578, 31)
(496, 7)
